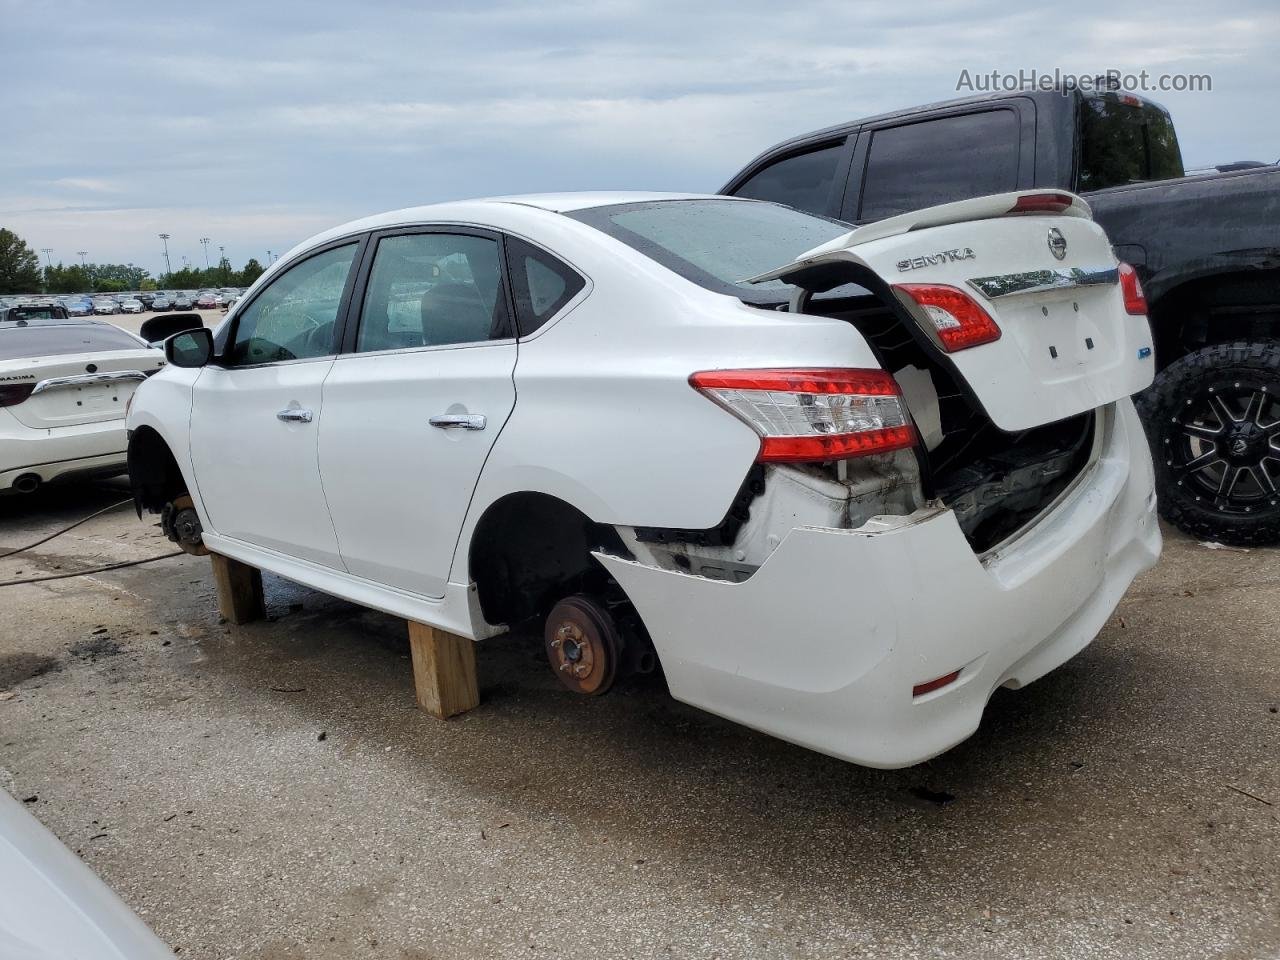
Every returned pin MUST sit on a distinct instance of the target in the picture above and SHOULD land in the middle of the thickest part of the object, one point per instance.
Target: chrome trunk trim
(87, 379)
(1041, 281)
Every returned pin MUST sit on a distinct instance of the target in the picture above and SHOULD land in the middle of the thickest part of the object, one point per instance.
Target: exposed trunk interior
(995, 482)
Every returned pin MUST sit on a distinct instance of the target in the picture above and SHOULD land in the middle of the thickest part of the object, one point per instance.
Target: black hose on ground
(58, 533)
(81, 573)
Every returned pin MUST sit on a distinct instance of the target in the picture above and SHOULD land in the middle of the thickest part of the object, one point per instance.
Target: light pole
(82, 254)
(204, 242)
(168, 268)
(47, 259)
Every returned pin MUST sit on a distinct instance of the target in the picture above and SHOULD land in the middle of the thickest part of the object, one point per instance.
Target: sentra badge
(954, 255)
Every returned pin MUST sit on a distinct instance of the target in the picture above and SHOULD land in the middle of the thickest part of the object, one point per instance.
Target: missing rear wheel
(583, 645)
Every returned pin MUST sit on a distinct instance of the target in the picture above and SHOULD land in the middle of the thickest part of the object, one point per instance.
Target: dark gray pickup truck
(1206, 247)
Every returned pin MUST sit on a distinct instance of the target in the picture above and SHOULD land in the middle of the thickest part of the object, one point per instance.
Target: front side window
(293, 318)
(433, 290)
(803, 181)
(937, 161)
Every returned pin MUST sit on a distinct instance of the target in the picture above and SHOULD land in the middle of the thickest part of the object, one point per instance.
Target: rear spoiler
(1058, 203)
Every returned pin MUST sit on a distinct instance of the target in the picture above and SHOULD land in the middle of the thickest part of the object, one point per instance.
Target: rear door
(255, 412)
(413, 406)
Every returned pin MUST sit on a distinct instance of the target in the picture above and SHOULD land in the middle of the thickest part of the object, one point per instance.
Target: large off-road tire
(1213, 420)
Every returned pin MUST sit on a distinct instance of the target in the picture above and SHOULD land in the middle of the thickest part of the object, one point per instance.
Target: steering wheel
(309, 339)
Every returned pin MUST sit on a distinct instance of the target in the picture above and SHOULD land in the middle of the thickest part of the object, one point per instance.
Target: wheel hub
(582, 645)
(1243, 445)
(181, 524)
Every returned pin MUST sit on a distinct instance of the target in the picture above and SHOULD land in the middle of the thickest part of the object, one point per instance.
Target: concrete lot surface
(270, 791)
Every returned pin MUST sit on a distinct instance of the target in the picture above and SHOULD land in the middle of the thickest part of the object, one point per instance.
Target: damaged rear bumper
(824, 644)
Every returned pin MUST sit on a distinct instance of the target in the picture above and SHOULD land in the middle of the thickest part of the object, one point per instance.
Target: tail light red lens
(12, 394)
(1041, 203)
(1135, 301)
(812, 415)
(958, 320)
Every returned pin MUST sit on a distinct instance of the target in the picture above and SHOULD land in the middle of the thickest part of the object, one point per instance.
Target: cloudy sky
(259, 124)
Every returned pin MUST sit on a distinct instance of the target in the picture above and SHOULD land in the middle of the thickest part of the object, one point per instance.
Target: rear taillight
(12, 394)
(1135, 301)
(957, 319)
(805, 416)
(1042, 203)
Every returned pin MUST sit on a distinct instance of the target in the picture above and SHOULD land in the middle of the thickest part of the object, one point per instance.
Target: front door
(255, 412)
(411, 413)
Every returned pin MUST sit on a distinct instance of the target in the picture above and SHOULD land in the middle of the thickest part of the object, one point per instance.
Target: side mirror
(164, 327)
(191, 348)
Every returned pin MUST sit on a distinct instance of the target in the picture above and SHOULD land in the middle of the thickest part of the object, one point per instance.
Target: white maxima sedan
(840, 486)
(64, 387)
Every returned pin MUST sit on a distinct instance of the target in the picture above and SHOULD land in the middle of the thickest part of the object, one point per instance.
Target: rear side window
(540, 284)
(938, 161)
(58, 341)
(1125, 142)
(433, 290)
(803, 181)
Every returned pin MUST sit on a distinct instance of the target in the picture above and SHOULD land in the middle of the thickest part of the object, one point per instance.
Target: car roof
(487, 211)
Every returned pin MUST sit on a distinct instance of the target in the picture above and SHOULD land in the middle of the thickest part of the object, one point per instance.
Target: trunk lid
(77, 388)
(1049, 280)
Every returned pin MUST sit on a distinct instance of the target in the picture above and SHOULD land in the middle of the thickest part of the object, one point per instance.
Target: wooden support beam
(444, 671)
(239, 589)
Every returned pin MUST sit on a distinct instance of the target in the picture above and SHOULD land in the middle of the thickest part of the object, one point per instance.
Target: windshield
(717, 243)
(55, 341)
(1125, 140)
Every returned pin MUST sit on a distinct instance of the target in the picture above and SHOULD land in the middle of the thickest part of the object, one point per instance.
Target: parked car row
(108, 304)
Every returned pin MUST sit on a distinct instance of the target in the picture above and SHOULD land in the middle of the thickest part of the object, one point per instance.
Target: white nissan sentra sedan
(839, 485)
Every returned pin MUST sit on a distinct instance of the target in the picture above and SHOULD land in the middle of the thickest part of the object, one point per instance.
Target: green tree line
(20, 272)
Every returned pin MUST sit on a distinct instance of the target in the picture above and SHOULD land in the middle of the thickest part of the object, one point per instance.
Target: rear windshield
(16, 342)
(717, 243)
(1125, 142)
(36, 313)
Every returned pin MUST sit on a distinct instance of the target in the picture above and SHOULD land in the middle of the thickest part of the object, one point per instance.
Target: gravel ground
(270, 791)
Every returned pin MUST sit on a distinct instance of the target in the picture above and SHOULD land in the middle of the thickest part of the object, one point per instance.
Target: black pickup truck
(1206, 247)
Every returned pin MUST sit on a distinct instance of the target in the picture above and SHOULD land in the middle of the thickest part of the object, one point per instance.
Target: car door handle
(294, 415)
(459, 421)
